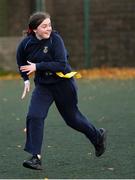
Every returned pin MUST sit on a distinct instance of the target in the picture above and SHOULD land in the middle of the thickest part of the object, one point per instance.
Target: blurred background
(97, 33)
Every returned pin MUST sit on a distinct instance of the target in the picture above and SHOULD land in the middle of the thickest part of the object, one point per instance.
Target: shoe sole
(32, 167)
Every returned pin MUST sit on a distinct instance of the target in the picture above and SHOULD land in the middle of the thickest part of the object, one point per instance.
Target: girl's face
(44, 30)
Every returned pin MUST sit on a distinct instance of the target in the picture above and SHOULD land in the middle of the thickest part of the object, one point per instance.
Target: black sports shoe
(33, 163)
(101, 147)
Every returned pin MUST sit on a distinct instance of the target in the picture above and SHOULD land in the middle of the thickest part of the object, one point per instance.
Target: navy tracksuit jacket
(51, 56)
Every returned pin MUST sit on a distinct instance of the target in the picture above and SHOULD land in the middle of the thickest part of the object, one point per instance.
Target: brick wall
(18, 14)
(113, 32)
(3, 17)
(67, 18)
(112, 29)
(14, 15)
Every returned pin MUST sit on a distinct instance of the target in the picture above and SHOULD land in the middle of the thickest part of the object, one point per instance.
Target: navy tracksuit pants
(64, 94)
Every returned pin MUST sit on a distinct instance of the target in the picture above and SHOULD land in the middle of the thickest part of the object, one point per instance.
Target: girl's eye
(44, 26)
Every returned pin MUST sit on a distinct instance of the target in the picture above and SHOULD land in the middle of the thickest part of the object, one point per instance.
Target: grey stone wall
(8, 53)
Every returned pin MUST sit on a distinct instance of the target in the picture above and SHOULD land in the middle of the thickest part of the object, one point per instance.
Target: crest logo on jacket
(45, 50)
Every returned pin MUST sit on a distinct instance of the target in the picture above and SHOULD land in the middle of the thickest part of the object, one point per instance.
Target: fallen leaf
(111, 169)
(19, 146)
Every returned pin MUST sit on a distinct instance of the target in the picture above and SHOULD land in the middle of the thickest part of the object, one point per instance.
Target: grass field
(67, 154)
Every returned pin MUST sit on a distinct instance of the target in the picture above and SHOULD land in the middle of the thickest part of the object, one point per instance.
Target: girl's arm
(21, 61)
(20, 56)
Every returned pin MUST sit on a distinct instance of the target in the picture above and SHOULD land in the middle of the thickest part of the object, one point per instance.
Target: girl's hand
(30, 68)
(26, 88)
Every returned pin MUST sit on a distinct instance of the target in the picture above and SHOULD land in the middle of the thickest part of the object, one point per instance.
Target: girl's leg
(67, 106)
(40, 102)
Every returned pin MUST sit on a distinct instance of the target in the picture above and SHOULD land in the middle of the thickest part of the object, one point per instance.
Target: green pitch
(67, 153)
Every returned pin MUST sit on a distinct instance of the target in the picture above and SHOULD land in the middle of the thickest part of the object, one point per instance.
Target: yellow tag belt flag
(69, 75)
